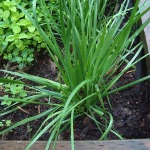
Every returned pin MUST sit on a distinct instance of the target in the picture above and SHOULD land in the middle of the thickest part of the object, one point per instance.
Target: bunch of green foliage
(12, 90)
(88, 50)
(4, 123)
(18, 37)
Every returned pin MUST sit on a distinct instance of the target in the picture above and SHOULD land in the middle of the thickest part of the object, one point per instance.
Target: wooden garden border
(145, 35)
(143, 144)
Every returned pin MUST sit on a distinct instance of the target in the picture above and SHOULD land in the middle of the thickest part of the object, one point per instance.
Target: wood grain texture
(147, 29)
(81, 145)
(145, 35)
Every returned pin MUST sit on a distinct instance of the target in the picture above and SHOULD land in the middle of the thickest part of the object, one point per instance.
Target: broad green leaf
(4, 24)
(30, 35)
(31, 28)
(22, 47)
(23, 94)
(16, 28)
(23, 36)
(24, 22)
(30, 59)
(21, 14)
(13, 89)
(10, 38)
(5, 43)
(8, 3)
(1, 31)
(8, 123)
(9, 56)
(43, 45)
(13, 8)
(6, 14)
(37, 38)
(15, 16)
(1, 13)
(21, 65)
(24, 54)
(19, 59)
(18, 43)
(5, 102)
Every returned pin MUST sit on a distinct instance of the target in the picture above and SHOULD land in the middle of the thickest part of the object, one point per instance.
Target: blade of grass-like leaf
(26, 121)
(117, 134)
(81, 101)
(127, 28)
(50, 116)
(52, 123)
(50, 93)
(91, 115)
(98, 111)
(53, 44)
(48, 19)
(139, 30)
(99, 124)
(120, 62)
(108, 128)
(131, 22)
(42, 81)
(71, 97)
(31, 98)
(72, 130)
(112, 82)
(5, 112)
(21, 100)
(66, 34)
(55, 133)
(129, 85)
(52, 136)
(125, 69)
(4, 80)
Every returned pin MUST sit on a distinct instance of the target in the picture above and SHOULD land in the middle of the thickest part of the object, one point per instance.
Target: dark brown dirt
(130, 109)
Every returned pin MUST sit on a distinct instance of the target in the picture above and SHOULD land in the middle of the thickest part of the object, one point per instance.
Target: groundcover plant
(88, 47)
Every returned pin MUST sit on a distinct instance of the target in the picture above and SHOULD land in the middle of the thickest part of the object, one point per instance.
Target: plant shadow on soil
(130, 109)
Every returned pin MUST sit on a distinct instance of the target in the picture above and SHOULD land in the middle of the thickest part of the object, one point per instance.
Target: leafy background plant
(12, 90)
(18, 37)
(6, 123)
(88, 50)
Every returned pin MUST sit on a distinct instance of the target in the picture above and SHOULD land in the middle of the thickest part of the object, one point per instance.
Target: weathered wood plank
(81, 145)
(145, 35)
(147, 29)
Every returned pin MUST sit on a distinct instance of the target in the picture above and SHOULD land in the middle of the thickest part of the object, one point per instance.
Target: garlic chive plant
(89, 48)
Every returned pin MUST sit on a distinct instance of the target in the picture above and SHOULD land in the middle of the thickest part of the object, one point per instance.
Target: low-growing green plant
(6, 123)
(18, 37)
(22, 58)
(88, 51)
(12, 90)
